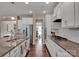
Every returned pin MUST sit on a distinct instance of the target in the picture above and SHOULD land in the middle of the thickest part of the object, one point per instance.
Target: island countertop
(5, 48)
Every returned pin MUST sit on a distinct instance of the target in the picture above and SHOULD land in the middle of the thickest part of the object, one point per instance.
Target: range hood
(57, 20)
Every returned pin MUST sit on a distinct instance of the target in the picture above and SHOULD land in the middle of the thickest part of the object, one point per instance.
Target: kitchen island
(13, 48)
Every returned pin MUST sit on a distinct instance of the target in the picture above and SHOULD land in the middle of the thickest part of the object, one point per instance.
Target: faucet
(11, 38)
(11, 35)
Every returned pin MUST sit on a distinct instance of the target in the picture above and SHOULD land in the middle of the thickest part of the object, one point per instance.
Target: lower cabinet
(51, 49)
(14, 52)
(18, 51)
(6, 55)
(55, 50)
(23, 49)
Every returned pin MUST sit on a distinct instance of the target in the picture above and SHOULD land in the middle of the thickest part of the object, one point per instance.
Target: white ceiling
(20, 8)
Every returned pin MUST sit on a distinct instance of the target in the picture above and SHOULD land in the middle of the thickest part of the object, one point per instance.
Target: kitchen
(60, 29)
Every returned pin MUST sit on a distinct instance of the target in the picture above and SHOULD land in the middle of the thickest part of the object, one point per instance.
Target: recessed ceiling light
(44, 11)
(30, 12)
(12, 18)
(26, 2)
(47, 2)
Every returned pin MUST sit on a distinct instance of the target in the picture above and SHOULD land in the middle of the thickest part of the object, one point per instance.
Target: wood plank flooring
(38, 50)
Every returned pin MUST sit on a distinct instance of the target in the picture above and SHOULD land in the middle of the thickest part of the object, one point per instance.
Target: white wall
(71, 34)
(25, 21)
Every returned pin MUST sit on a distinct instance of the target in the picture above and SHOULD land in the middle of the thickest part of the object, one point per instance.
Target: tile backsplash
(70, 34)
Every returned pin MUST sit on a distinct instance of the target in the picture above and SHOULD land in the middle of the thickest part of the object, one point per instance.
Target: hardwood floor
(38, 50)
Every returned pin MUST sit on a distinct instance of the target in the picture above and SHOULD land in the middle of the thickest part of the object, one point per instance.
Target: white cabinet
(14, 52)
(68, 14)
(6, 55)
(55, 50)
(28, 44)
(19, 51)
(59, 11)
(76, 14)
(62, 54)
(55, 12)
(22, 49)
(51, 48)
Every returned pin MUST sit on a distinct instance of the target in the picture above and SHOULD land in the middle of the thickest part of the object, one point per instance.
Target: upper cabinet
(59, 11)
(76, 14)
(69, 13)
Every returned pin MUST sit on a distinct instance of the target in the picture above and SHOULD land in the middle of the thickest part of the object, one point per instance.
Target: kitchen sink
(9, 43)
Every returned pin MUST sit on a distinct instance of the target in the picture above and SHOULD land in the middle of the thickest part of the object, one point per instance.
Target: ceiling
(20, 8)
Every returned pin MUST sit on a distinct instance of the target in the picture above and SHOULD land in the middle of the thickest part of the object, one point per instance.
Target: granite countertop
(6, 47)
(69, 46)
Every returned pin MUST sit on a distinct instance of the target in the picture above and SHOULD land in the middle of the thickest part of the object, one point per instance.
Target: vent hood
(57, 20)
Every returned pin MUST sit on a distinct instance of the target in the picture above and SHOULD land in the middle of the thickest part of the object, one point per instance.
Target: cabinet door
(51, 49)
(55, 12)
(59, 11)
(13, 52)
(68, 14)
(77, 14)
(7, 55)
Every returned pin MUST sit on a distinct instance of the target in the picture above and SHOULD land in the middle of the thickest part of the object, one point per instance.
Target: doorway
(39, 32)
